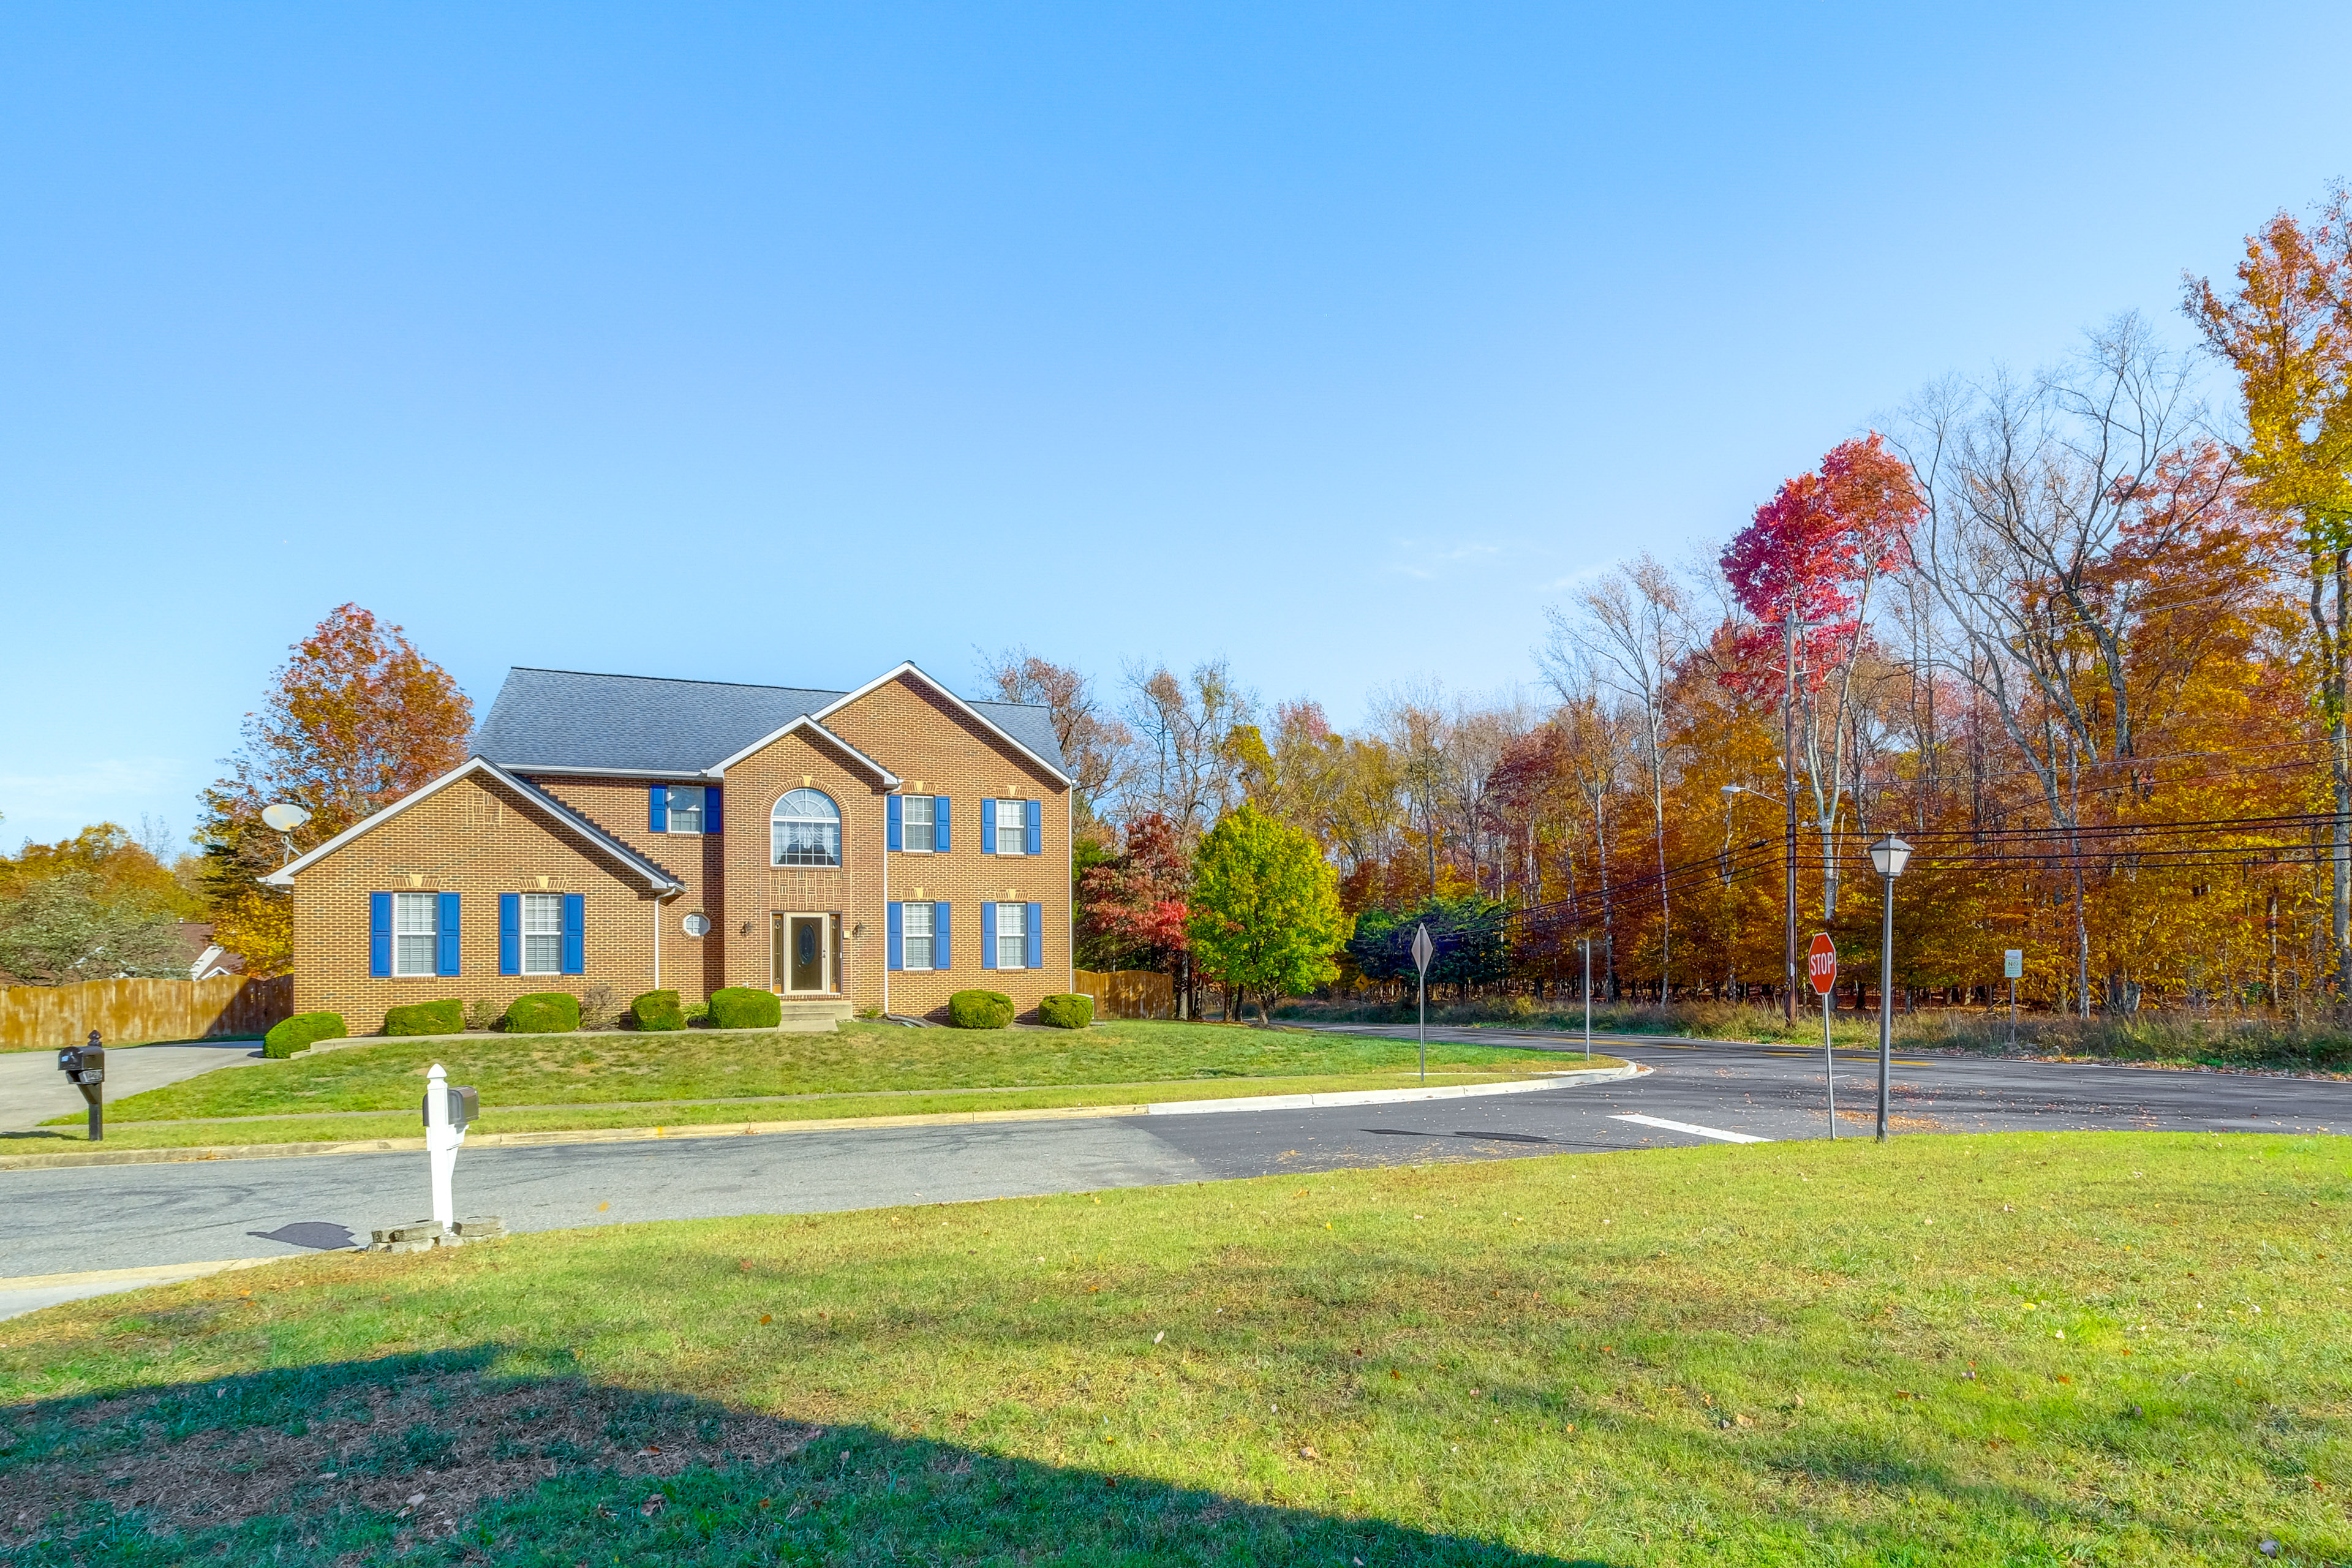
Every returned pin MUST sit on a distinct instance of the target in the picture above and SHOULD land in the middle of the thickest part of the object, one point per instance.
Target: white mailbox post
(447, 1116)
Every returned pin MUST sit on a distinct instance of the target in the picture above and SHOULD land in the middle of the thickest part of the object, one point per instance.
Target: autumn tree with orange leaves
(354, 719)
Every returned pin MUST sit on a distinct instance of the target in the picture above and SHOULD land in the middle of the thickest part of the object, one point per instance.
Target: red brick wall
(937, 750)
(477, 839)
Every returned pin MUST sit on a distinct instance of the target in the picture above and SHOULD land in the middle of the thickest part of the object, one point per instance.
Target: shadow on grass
(480, 1455)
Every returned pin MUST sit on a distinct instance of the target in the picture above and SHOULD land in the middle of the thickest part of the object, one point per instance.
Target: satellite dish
(284, 819)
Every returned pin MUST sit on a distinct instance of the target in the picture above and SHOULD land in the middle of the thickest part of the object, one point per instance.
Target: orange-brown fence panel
(1130, 993)
(127, 1012)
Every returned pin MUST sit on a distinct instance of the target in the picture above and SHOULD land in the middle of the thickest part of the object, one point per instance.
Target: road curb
(1560, 1079)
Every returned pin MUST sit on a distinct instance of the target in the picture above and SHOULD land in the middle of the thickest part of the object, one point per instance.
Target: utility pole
(1789, 798)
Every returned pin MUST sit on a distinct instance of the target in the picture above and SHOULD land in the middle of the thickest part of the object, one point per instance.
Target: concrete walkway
(32, 1089)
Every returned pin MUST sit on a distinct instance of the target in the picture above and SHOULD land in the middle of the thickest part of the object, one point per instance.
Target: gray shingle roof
(565, 719)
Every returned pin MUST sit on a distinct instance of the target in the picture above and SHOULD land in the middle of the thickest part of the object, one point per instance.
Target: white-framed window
(1013, 827)
(804, 830)
(684, 809)
(915, 929)
(1011, 935)
(542, 933)
(416, 933)
(919, 829)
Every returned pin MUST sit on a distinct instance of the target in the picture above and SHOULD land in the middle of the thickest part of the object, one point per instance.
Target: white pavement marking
(1547, 1080)
(31, 1292)
(1695, 1131)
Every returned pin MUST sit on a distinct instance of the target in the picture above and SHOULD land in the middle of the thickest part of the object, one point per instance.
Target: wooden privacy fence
(127, 1012)
(1130, 994)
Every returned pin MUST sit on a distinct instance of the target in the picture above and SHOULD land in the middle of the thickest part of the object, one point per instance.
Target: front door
(803, 961)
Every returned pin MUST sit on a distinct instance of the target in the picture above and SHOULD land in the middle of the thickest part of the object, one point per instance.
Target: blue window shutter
(448, 964)
(575, 934)
(895, 835)
(939, 959)
(895, 925)
(509, 934)
(380, 934)
(658, 809)
(940, 825)
(711, 809)
(987, 924)
(1033, 840)
(988, 825)
(1037, 955)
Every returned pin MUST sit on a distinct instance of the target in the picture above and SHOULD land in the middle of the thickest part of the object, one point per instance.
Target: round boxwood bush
(1067, 1012)
(543, 1013)
(657, 1010)
(979, 1010)
(426, 1018)
(299, 1032)
(741, 1007)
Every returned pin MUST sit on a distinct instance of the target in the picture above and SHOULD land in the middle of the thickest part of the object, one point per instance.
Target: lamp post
(1586, 943)
(1888, 856)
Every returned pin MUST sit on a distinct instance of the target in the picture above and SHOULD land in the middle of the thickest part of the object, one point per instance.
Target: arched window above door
(804, 829)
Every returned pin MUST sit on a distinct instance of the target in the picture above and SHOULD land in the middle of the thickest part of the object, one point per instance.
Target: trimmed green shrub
(299, 1032)
(426, 1018)
(1067, 1012)
(979, 1010)
(658, 1010)
(741, 1007)
(543, 1013)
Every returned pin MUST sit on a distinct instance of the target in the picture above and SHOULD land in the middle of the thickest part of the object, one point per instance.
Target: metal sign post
(1587, 944)
(2013, 965)
(1422, 949)
(1821, 963)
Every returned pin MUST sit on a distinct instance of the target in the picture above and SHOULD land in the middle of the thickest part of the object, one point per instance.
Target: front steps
(814, 1018)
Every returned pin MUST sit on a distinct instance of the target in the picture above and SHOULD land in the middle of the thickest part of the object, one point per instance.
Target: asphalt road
(124, 1216)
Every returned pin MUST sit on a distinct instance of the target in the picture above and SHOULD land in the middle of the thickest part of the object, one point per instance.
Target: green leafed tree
(1266, 916)
(58, 929)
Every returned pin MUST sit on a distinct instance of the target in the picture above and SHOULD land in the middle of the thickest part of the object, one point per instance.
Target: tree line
(2077, 636)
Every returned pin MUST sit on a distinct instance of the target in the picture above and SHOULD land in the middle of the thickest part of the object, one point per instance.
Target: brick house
(853, 851)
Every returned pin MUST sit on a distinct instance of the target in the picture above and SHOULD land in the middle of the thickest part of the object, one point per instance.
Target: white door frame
(783, 981)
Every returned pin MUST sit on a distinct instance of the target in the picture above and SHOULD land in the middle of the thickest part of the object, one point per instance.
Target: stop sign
(1820, 962)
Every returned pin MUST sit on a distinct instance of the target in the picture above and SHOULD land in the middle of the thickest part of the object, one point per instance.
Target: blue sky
(776, 343)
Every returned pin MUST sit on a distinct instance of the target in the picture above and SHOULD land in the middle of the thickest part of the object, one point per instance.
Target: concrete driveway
(32, 1089)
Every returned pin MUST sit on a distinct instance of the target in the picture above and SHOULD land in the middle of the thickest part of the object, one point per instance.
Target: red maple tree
(1811, 549)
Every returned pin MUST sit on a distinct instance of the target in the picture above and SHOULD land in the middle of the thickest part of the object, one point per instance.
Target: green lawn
(697, 1076)
(2114, 1348)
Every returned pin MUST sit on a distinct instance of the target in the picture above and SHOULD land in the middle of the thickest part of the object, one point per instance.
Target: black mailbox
(85, 1068)
(464, 1105)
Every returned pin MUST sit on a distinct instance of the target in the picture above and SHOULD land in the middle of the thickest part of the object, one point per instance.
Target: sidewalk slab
(31, 1292)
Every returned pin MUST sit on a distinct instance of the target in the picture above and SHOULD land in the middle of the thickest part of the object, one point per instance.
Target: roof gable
(536, 799)
(1027, 728)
